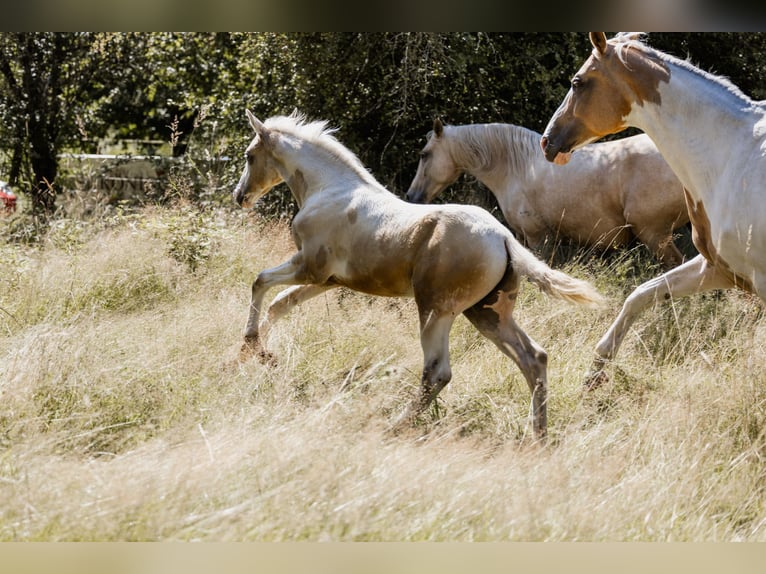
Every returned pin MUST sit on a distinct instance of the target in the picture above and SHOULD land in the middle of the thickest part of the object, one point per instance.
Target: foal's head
(260, 173)
(436, 170)
(618, 75)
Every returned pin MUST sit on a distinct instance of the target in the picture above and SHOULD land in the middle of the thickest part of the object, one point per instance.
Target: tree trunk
(44, 169)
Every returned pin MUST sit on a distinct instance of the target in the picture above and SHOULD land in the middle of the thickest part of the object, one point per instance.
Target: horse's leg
(660, 243)
(434, 339)
(492, 317)
(285, 274)
(694, 276)
(284, 302)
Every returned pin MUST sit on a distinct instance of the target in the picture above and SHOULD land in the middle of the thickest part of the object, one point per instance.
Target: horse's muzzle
(553, 152)
(238, 195)
(415, 195)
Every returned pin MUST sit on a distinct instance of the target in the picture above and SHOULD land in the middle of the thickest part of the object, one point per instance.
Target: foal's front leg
(289, 273)
(286, 300)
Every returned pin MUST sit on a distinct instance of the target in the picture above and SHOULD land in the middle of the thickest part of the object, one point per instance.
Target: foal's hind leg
(496, 323)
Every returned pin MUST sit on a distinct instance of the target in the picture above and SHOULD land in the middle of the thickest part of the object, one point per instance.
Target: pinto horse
(714, 138)
(611, 193)
(350, 231)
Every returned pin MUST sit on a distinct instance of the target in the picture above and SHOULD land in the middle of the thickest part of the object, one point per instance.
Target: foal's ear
(598, 39)
(257, 126)
(438, 128)
(255, 123)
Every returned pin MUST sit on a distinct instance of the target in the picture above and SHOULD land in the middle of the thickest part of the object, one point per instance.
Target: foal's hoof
(252, 348)
(267, 358)
(248, 350)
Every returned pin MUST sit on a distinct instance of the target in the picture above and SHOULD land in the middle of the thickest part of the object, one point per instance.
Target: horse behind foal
(714, 138)
(350, 231)
(608, 194)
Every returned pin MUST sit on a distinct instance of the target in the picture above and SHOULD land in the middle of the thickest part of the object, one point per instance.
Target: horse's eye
(424, 155)
(576, 82)
(250, 160)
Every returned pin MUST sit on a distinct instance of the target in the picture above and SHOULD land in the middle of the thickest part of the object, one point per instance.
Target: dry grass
(124, 416)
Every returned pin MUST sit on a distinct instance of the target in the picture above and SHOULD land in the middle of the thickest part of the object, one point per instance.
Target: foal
(352, 232)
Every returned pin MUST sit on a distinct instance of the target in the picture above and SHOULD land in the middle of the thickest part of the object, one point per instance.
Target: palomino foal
(350, 231)
(714, 138)
(609, 194)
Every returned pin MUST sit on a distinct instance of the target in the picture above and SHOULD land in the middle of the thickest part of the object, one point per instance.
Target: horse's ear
(438, 128)
(598, 39)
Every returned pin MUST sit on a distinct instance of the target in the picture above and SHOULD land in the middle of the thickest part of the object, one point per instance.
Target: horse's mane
(318, 133)
(485, 146)
(624, 40)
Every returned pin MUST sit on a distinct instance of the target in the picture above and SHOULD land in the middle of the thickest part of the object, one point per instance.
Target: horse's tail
(550, 281)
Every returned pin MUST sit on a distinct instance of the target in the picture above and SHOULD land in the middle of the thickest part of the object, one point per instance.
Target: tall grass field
(125, 415)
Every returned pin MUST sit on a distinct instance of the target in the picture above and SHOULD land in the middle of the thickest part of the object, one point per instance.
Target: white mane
(487, 146)
(319, 134)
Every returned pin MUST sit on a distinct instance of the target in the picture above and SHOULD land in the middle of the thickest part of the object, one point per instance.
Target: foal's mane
(485, 146)
(319, 134)
(625, 40)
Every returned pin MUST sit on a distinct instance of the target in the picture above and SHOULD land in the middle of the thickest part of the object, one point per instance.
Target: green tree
(49, 83)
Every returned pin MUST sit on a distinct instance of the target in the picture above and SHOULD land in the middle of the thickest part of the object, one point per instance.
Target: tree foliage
(49, 81)
(381, 90)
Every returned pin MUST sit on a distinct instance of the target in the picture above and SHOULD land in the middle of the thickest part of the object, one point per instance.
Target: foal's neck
(309, 168)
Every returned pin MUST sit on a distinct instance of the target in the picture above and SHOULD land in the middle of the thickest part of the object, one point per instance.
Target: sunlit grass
(124, 414)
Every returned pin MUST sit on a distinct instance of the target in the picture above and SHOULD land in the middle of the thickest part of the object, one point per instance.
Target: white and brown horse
(714, 138)
(352, 232)
(607, 195)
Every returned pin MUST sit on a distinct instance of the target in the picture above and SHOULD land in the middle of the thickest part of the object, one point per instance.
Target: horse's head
(260, 173)
(603, 92)
(436, 170)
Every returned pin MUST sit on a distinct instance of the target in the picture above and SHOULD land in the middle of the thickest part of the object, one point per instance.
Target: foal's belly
(392, 280)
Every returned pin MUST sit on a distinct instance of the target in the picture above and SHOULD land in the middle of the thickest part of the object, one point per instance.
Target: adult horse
(714, 138)
(609, 194)
(350, 231)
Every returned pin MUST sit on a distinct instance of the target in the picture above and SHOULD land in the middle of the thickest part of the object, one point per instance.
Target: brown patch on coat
(703, 241)
(641, 72)
(321, 258)
(644, 74)
(297, 184)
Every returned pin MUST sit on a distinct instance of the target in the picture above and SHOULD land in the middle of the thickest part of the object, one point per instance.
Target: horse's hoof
(595, 379)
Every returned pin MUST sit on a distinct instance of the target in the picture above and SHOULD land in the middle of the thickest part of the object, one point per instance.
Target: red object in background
(8, 198)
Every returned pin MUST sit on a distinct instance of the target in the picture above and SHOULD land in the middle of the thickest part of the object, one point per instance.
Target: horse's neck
(511, 151)
(697, 126)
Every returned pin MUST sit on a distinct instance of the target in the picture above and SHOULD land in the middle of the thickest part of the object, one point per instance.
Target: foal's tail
(550, 281)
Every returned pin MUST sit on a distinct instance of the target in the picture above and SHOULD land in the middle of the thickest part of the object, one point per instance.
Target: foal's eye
(250, 160)
(424, 155)
(577, 82)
